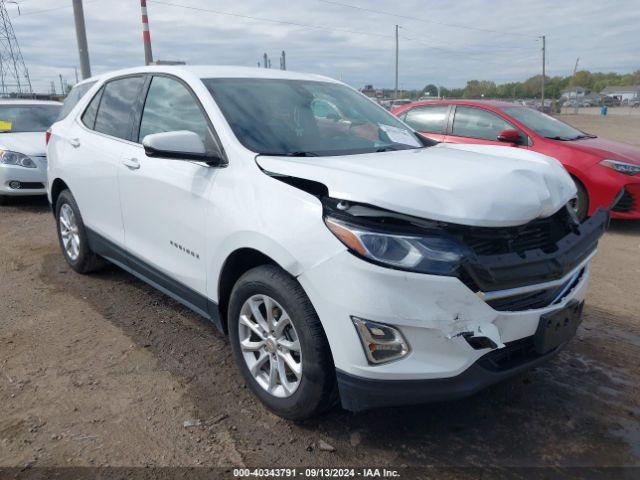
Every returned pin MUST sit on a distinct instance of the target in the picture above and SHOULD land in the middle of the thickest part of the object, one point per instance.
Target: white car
(348, 259)
(23, 163)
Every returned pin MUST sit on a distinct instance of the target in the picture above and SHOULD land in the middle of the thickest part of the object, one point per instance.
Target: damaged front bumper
(460, 340)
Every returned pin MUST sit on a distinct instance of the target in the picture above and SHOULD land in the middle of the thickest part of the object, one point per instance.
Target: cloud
(356, 45)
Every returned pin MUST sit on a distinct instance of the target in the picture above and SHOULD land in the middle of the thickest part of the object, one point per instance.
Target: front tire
(280, 345)
(580, 204)
(4, 200)
(72, 236)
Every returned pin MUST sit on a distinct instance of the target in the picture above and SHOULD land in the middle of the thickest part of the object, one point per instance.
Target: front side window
(170, 107)
(116, 107)
(431, 119)
(27, 118)
(478, 123)
(306, 118)
(74, 97)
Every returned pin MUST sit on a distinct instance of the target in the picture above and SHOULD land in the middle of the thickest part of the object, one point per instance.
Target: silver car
(23, 162)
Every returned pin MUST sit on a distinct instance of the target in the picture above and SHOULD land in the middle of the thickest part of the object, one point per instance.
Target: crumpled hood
(477, 185)
(29, 143)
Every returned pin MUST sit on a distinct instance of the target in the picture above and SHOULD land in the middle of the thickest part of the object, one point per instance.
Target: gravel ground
(103, 370)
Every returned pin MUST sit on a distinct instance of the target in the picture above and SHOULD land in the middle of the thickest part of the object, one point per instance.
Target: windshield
(27, 118)
(306, 118)
(543, 124)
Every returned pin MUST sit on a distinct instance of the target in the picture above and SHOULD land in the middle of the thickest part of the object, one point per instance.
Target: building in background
(624, 95)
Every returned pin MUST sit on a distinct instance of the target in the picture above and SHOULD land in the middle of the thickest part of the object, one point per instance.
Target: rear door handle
(75, 142)
(131, 163)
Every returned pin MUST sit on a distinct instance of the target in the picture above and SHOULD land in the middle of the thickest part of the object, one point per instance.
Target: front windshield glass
(306, 118)
(543, 124)
(27, 118)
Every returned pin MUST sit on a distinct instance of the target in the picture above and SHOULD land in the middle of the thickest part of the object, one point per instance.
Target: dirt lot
(104, 370)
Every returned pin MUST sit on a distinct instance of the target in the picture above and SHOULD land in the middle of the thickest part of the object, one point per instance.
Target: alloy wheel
(270, 346)
(69, 232)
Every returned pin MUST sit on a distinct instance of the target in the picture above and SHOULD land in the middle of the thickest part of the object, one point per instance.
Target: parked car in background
(606, 173)
(23, 163)
(346, 256)
(398, 102)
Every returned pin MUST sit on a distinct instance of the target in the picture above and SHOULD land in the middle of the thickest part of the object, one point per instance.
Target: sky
(445, 42)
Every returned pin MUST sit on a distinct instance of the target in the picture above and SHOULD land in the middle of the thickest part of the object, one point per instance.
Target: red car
(606, 173)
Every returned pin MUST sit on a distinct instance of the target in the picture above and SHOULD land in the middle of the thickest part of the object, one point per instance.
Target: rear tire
(72, 236)
(4, 200)
(295, 397)
(580, 204)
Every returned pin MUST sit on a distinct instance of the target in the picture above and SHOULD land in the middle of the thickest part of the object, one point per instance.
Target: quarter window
(89, 115)
(170, 107)
(478, 123)
(432, 119)
(116, 108)
(74, 97)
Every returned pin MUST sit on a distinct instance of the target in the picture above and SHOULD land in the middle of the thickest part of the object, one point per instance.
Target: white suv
(348, 258)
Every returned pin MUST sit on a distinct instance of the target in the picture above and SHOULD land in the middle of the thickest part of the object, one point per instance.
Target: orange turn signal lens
(346, 236)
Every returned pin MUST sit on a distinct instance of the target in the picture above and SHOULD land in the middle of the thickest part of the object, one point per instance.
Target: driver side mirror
(179, 145)
(510, 136)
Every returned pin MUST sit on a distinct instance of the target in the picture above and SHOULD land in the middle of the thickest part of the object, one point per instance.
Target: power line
(417, 19)
(45, 10)
(307, 25)
(271, 20)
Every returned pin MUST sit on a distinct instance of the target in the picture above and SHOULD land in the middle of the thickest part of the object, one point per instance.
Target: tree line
(531, 88)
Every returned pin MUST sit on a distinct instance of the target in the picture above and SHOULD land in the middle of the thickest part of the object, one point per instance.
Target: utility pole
(573, 84)
(13, 70)
(283, 61)
(75, 69)
(146, 34)
(544, 66)
(397, 52)
(265, 62)
(81, 35)
(61, 84)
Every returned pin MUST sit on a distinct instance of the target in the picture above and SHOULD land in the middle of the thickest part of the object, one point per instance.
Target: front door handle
(75, 142)
(131, 163)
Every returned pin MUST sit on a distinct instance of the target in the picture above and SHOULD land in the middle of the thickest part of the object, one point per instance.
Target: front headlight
(621, 167)
(419, 253)
(14, 158)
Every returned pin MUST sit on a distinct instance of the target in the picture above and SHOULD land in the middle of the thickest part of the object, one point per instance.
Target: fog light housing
(382, 343)
(15, 185)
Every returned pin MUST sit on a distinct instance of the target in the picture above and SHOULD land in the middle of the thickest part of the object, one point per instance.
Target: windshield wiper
(301, 154)
(557, 137)
(388, 148)
(289, 154)
(585, 135)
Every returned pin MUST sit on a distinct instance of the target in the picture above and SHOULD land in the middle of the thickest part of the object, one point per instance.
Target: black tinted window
(170, 107)
(74, 97)
(89, 115)
(114, 115)
(432, 119)
(478, 123)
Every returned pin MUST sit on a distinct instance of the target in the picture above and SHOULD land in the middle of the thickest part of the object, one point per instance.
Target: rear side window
(89, 115)
(432, 119)
(74, 97)
(117, 106)
(478, 123)
(169, 107)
